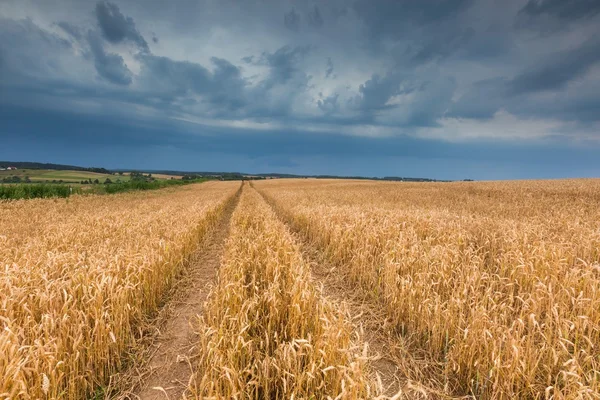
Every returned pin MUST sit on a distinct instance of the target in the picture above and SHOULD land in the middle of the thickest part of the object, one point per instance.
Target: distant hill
(239, 175)
(35, 165)
(221, 175)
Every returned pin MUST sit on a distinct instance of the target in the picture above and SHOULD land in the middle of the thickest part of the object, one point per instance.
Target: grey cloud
(329, 70)
(481, 101)
(562, 9)
(430, 102)
(329, 104)
(273, 96)
(377, 91)
(123, 143)
(442, 45)
(422, 32)
(171, 80)
(485, 45)
(116, 27)
(292, 20)
(415, 46)
(392, 17)
(173, 87)
(23, 45)
(71, 29)
(580, 104)
(314, 18)
(110, 66)
(582, 108)
(271, 143)
(283, 63)
(558, 70)
(229, 85)
(175, 78)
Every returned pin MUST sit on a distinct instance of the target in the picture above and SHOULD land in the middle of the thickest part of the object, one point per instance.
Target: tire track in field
(366, 315)
(368, 319)
(169, 366)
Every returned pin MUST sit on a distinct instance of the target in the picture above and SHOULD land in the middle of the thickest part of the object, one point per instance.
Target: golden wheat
(499, 282)
(79, 275)
(266, 332)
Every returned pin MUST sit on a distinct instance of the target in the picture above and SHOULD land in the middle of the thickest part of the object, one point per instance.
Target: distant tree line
(16, 179)
(140, 177)
(35, 165)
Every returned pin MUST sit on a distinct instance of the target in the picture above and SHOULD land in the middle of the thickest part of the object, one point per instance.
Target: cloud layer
(465, 73)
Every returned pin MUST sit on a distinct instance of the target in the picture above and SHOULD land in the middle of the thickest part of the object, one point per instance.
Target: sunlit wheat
(496, 281)
(78, 276)
(266, 332)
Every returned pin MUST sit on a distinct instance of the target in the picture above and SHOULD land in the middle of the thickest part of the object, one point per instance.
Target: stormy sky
(489, 89)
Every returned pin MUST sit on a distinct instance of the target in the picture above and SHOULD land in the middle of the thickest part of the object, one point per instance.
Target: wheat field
(79, 276)
(497, 283)
(267, 333)
(486, 290)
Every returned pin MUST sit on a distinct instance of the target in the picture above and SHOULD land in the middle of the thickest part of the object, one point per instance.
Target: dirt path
(169, 366)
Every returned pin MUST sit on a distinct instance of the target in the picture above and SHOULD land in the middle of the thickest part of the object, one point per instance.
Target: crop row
(79, 276)
(499, 283)
(266, 332)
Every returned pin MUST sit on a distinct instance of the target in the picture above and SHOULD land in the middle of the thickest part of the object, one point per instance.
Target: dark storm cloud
(73, 30)
(23, 45)
(441, 46)
(580, 106)
(377, 91)
(393, 18)
(283, 63)
(108, 65)
(552, 76)
(291, 20)
(485, 98)
(116, 27)
(329, 70)
(481, 101)
(562, 9)
(314, 18)
(170, 80)
(224, 90)
(429, 100)
(422, 32)
(90, 133)
(558, 70)
(402, 69)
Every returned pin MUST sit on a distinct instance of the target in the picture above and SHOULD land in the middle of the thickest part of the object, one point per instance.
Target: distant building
(11, 168)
